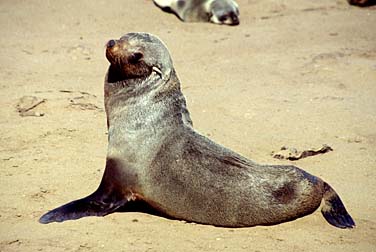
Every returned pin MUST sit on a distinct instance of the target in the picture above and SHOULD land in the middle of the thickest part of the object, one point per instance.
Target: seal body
(155, 156)
(215, 11)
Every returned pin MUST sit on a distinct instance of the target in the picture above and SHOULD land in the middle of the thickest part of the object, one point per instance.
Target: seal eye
(135, 57)
(222, 18)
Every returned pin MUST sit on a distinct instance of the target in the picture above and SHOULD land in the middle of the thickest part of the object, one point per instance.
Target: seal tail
(334, 211)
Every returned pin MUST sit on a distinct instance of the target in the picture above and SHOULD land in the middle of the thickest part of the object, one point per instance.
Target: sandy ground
(295, 73)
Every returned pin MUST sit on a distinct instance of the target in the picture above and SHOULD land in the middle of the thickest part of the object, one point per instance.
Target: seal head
(224, 12)
(136, 56)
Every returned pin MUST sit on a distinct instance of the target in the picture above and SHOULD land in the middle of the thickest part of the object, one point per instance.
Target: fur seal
(215, 11)
(155, 156)
(362, 3)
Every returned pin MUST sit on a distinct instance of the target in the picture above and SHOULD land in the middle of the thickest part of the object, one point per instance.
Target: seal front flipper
(334, 211)
(91, 205)
(105, 200)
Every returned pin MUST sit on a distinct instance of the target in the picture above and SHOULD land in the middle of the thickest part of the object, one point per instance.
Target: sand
(293, 73)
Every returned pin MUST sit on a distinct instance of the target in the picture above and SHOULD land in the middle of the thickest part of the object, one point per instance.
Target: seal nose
(234, 19)
(111, 43)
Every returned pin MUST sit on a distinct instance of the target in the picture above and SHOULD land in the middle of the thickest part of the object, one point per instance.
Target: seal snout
(234, 19)
(230, 18)
(113, 50)
(111, 43)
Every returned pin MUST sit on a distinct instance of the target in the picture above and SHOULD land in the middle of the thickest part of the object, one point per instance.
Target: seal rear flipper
(334, 211)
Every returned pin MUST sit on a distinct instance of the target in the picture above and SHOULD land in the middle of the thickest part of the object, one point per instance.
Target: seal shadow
(140, 206)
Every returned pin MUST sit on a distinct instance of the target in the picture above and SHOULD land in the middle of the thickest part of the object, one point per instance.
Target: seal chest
(156, 157)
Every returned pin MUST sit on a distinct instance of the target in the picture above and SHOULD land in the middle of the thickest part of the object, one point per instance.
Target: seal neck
(145, 104)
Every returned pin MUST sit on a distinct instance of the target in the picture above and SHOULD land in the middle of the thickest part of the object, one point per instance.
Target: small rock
(291, 153)
(27, 105)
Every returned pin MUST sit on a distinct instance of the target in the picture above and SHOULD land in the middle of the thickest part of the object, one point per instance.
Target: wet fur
(155, 156)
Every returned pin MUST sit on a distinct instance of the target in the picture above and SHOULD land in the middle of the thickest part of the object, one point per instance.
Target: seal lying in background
(362, 3)
(155, 156)
(215, 11)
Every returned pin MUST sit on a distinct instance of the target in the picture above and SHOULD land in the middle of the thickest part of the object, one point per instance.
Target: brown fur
(125, 64)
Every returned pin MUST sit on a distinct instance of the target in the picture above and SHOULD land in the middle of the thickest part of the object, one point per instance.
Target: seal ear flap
(135, 57)
(158, 71)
